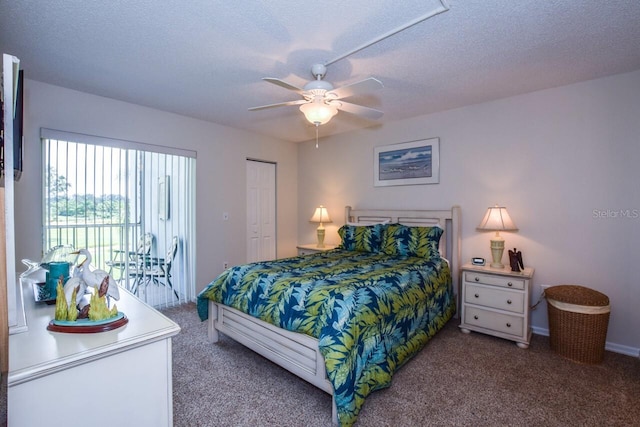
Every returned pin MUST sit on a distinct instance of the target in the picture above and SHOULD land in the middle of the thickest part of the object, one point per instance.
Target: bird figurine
(72, 283)
(75, 281)
(93, 277)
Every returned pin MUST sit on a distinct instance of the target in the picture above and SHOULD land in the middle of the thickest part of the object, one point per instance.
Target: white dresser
(496, 302)
(119, 377)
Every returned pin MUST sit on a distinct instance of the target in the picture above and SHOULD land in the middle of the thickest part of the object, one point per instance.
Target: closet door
(261, 211)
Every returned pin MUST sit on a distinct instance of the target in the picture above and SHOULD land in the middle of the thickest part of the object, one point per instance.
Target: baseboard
(609, 346)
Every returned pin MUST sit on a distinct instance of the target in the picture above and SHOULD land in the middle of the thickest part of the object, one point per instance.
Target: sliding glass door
(131, 205)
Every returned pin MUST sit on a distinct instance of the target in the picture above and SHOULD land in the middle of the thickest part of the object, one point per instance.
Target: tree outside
(84, 220)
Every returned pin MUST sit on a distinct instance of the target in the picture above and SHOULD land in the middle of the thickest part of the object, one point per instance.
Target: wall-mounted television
(18, 136)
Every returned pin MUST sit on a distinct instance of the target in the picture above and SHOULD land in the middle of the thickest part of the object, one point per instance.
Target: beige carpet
(456, 380)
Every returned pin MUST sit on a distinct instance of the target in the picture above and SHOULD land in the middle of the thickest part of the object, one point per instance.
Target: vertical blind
(105, 195)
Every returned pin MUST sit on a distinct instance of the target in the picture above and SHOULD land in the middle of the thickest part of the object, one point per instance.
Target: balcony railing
(106, 242)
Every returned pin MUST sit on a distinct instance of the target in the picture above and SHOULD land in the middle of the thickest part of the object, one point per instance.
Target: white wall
(558, 159)
(220, 178)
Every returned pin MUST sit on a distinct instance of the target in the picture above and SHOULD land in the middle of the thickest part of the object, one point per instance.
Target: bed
(346, 319)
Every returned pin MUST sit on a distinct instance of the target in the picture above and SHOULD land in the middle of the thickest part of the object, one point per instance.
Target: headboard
(448, 220)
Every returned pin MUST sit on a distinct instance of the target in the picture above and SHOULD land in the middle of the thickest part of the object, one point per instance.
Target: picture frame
(164, 201)
(408, 163)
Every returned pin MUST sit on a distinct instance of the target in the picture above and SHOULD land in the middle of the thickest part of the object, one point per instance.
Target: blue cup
(56, 269)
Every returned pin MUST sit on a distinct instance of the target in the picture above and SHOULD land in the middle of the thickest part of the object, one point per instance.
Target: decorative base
(86, 326)
(497, 249)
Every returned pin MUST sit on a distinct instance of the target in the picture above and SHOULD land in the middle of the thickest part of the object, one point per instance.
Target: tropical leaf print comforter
(370, 312)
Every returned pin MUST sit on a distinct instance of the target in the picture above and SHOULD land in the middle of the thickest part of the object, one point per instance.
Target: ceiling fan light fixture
(318, 87)
(317, 112)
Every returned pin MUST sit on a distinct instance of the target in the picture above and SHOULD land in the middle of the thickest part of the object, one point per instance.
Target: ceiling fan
(321, 101)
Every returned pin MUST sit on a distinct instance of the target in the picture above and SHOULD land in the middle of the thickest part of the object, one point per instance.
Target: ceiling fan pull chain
(317, 126)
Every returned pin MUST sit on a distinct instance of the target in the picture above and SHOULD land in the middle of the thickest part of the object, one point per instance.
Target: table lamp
(497, 219)
(320, 215)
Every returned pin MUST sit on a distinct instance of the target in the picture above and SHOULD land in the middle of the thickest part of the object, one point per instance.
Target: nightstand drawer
(494, 280)
(494, 298)
(495, 321)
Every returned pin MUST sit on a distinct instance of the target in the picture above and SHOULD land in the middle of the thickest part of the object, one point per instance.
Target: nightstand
(496, 302)
(313, 248)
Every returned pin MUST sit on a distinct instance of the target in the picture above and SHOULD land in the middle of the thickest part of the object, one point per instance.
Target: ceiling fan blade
(280, 104)
(283, 84)
(369, 113)
(357, 88)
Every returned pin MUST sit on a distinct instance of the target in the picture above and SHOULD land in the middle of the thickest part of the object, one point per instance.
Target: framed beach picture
(408, 163)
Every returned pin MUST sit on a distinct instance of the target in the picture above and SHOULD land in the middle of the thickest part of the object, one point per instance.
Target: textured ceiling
(205, 59)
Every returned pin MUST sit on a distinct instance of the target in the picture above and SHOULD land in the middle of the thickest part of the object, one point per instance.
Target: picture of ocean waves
(407, 163)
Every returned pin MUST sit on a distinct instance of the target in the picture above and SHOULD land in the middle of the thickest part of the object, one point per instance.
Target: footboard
(295, 352)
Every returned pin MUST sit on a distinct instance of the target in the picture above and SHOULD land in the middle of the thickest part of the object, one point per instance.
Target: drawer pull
(508, 301)
(508, 325)
(477, 296)
(509, 284)
(477, 279)
(475, 317)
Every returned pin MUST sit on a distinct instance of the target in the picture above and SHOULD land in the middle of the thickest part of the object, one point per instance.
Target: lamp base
(497, 249)
(320, 233)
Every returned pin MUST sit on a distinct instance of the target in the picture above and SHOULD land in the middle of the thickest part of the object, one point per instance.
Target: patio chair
(158, 270)
(131, 259)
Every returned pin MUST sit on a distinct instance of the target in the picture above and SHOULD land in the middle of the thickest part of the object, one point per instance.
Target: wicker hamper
(578, 321)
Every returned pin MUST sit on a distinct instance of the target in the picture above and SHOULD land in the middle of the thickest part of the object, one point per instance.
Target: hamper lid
(576, 294)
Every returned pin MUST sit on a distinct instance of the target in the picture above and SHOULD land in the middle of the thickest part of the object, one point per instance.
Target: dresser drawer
(493, 297)
(494, 280)
(500, 322)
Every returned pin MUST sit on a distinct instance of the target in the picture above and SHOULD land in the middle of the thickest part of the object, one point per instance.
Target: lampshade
(320, 215)
(497, 219)
(317, 112)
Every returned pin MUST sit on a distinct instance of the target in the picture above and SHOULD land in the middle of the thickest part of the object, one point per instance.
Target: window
(131, 205)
